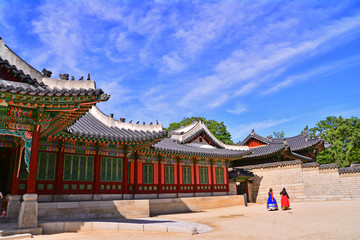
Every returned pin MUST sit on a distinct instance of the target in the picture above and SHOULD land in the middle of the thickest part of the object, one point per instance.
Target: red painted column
(226, 176)
(59, 171)
(31, 183)
(178, 177)
(125, 174)
(135, 174)
(15, 178)
(159, 175)
(97, 172)
(211, 176)
(195, 176)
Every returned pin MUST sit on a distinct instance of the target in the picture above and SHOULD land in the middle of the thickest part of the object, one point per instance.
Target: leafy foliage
(218, 129)
(279, 134)
(343, 135)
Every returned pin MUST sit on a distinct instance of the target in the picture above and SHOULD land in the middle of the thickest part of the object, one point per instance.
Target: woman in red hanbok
(284, 200)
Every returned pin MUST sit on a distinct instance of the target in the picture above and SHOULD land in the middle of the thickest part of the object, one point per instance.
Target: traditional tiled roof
(253, 135)
(349, 170)
(169, 145)
(328, 166)
(266, 150)
(41, 89)
(296, 143)
(182, 142)
(277, 145)
(273, 164)
(95, 124)
(34, 83)
(303, 165)
(192, 131)
(309, 165)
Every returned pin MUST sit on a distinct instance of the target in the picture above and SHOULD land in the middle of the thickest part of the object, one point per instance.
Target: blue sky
(263, 65)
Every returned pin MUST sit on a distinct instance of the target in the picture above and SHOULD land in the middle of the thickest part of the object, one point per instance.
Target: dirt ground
(305, 220)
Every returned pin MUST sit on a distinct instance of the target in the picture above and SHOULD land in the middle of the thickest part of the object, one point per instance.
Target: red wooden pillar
(15, 178)
(212, 181)
(97, 172)
(178, 177)
(135, 174)
(31, 183)
(227, 176)
(125, 178)
(159, 175)
(195, 177)
(60, 171)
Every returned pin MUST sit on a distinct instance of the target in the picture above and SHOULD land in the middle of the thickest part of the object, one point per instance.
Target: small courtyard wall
(305, 181)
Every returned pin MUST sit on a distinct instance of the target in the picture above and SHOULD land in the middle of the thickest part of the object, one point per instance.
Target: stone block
(50, 205)
(17, 236)
(67, 205)
(99, 226)
(13, 207)
(188, 230)
(77, 226)
(28, 215)
(52, 227)
(131, 227)
(155, 228)
(89, 204)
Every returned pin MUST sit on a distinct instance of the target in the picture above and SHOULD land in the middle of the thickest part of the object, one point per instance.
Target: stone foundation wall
(305, 182)
(179, 205)
(93, 210)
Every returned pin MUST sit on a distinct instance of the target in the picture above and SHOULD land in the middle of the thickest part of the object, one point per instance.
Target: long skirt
(285, 202)
(271, 203)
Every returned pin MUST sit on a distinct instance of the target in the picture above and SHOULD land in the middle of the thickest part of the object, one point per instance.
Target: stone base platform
(11, 231)
(141, 224)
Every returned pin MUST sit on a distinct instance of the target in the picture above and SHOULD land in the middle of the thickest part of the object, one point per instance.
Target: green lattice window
(186, 175)
(203, 175)
(46, 166)
(148, 173)
(78, 168)
(111, 169)
(169, 174)
(219, 176)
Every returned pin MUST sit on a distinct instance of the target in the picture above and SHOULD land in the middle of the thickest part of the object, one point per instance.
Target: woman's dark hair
(270, 190)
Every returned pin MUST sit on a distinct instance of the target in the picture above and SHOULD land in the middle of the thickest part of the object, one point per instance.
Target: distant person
(271, 203)
(5, 201)
(285, 204)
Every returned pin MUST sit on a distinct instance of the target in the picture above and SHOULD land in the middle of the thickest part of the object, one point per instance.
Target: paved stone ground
(305, 220)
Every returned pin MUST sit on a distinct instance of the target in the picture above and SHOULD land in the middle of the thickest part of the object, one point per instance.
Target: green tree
(279, 134)
(217, 129)
(343, 135)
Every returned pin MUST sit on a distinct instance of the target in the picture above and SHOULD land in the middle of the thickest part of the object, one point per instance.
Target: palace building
(267, 149)
(56, 143)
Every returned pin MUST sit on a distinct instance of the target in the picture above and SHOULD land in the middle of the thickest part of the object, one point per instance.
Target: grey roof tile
(349, 170)
(89, 126)
(328, 166)
(171, 146)
(32, 86)
(274, 164)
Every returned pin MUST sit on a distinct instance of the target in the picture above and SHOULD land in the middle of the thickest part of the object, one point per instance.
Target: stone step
(17, 236)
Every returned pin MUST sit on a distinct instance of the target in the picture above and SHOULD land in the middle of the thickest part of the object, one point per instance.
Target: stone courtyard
(305, 220)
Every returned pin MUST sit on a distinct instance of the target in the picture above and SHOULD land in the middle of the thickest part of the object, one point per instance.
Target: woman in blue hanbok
(271, 203)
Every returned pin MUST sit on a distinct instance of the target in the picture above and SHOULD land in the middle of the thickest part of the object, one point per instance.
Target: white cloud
(238, 109)
(244, 70)
(322, 70)
(242, 130)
